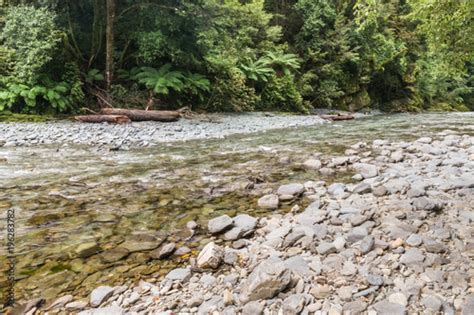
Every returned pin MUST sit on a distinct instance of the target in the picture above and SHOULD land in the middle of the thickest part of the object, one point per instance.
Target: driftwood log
(115, 119)
(337, 117)
(143, 115)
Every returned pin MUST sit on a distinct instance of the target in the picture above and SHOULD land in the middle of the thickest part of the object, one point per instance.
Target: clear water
(65, 196)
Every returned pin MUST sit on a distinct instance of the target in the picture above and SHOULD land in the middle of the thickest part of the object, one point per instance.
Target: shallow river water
(88, 216)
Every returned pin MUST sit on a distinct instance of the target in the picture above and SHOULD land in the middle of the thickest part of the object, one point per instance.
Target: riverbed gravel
(145, 134)
(397, 239)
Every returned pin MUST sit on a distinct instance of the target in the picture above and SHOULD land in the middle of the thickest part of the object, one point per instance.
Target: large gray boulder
(266, 280)
(244, 225)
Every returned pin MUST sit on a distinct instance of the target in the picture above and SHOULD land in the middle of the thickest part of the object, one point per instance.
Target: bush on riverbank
(237, 55)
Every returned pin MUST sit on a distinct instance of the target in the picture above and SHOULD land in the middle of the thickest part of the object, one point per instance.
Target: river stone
(325, 248)
(367, 244)
(428, 204)
(357, 234)
(211, 256)
(312, 164)
(362, 188)
(109, 310)
(267, 280)
(76, 305)
(60, 302)
(164, 251)
(414, 240)
(426, 140)
(294, 189)
(294, 304)
(397, 156)
(244, 225)
(336, 189)
(100, 295)
(269, 202)
(379, 191)
(432, 303)
(354, 308)
(366, 170)
(387, 308)
(179, 274)
(340, 160)
(398, 298)
(253, 308)
(468, 306)
(219, 224)
(412, 256)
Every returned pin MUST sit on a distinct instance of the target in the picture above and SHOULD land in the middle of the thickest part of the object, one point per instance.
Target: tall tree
(110, 37)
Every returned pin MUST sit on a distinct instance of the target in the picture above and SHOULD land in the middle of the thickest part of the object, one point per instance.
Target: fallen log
(337, 117)
(143, 115)
(114, 119)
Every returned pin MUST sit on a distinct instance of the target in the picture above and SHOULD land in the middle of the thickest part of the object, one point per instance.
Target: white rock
(100, 295)
(269, 202)
(211, 256)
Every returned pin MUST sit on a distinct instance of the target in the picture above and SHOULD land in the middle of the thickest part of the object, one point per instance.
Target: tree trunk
(109, 63)
(143, 115)
(115, 119)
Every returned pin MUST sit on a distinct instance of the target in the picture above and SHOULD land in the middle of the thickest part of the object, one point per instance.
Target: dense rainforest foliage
(236, 55)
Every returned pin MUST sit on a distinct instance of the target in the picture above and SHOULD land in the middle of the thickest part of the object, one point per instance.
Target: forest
(236, 55)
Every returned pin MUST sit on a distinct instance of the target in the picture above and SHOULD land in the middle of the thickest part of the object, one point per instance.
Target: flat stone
(114, 254)
(164, 251)
(219, 224)
(86, 250)
(379, 191)
(76, 305)
(210, 256)
(298, 266)
(100, 295)
(109, 310)
(266, 280)
(374, 279)
(179, 274)
(269, 202)
(244, 225)
(60, 302)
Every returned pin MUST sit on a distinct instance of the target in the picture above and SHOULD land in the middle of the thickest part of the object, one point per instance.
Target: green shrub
(281, 93)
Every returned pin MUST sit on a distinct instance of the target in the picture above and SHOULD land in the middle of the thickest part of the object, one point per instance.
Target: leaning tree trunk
(109, 63)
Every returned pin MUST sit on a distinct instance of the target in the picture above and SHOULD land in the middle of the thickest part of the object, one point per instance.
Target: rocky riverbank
(399, 239)
(145, 134)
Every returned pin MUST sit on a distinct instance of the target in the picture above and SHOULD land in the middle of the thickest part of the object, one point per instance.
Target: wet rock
(211, 256)
(267, 280)
(179, 274)
(164, 251)
(100, 295)
(269, 202)
(219, 224)
(181, 251)
(85, 250)
(114, 254)
(142, 242)
(366, 170)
